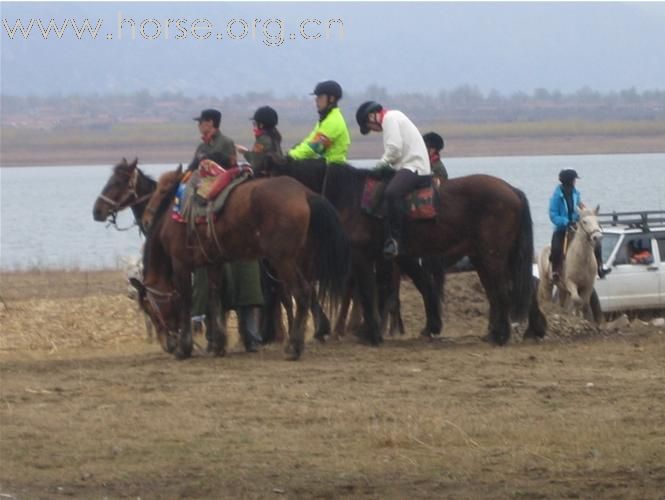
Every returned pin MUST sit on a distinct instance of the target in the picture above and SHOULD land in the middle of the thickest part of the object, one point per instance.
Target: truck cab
(633, 247)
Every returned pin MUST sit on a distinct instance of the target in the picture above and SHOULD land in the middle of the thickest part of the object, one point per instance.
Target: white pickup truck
(633, 248)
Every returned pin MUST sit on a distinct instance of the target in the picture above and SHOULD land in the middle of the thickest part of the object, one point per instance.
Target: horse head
(118, 192)
(160, 199)
(161, 304)
(590, 226)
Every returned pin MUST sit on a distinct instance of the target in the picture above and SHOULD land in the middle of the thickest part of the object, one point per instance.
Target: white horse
(579, 268)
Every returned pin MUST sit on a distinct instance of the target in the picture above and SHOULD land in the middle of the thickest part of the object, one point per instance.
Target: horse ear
(124, 161)
(179, 170)
(135, 162)
(597, 210)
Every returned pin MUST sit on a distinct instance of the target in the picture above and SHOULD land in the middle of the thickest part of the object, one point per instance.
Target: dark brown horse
(127, 187)
(297, 231)
(479, 216)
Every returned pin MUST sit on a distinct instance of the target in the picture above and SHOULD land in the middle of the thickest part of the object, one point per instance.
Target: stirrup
(390, 248)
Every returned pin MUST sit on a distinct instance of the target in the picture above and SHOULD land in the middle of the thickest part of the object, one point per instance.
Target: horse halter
(117, 206)
(154, 298)
(589, 234)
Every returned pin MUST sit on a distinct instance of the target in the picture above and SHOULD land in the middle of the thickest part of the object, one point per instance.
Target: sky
(404, 47)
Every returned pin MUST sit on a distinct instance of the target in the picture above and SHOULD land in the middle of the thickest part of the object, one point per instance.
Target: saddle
(420, 203)
(201, 197)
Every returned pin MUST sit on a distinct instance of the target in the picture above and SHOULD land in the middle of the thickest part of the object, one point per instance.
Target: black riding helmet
(433, 141)
(362, 115)
(567, 176)
(329, 87)
(266, 116)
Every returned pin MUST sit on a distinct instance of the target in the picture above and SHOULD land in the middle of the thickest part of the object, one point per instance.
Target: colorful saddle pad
(419, 203)
(206, 191)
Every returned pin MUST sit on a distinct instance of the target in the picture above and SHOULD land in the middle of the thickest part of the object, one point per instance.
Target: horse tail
(330, 259)
(521, 262)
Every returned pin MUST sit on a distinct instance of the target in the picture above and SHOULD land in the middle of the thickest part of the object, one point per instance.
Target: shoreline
(455, 148)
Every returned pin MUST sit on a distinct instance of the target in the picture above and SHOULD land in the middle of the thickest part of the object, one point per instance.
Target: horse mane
(343, 178)
(170, 180)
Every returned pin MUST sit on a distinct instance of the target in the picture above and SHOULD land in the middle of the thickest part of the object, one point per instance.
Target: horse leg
(575, 298)
(394, 306)
(366, 286)
(340, 323)
(537, 325)
(355, 324)
(321, 321)
(183, 284)
(499, 299)
(396, 323)
(431, 300)
(387, 293)
(594, 303)
(302, 292)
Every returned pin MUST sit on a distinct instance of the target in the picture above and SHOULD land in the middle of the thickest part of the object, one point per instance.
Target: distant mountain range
(404, 47)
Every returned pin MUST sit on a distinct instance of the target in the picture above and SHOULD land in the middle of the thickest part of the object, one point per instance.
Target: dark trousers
(556, 252)
(400, 185)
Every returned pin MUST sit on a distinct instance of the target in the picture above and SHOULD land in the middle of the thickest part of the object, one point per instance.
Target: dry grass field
(90, 409)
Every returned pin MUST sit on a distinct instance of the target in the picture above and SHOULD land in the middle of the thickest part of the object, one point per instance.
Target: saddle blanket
(419, 203)
(203, 195)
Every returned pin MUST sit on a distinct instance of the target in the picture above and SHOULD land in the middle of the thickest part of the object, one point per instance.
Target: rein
(117, 206)
(154, 297)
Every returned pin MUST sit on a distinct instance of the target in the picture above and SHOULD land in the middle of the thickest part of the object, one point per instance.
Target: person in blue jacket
(564, 203)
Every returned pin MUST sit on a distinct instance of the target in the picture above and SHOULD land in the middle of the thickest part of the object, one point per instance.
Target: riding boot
(602, 271)
(393, 228)
(248, 324)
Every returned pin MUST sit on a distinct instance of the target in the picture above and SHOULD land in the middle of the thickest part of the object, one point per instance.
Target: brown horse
(479, 216)
(297, 231)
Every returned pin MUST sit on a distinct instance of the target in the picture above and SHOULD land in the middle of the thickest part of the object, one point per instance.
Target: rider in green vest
(330, 138)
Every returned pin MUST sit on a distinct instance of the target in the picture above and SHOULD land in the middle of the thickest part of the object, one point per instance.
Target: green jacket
(439, 170)
(221, 145)
(329, 140)
(263, 145)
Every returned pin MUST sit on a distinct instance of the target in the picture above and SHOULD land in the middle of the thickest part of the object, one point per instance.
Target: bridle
(589, 234)
(130, 199)
(154, 298)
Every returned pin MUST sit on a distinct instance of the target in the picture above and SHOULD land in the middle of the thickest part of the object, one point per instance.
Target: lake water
(46, 212)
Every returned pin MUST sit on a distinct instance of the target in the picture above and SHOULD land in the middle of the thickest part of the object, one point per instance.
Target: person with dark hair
(434, 143)
(267, 139)
(213, 141)
(564, 203)
(404, 152)
(640, 253)
(241, 283)
(330, 138)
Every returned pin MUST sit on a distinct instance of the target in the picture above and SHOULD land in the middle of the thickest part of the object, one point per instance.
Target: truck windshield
(608, 243)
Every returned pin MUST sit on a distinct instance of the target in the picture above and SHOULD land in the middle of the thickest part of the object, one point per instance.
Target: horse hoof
(180, 355)
(320, 338)
(292, 353)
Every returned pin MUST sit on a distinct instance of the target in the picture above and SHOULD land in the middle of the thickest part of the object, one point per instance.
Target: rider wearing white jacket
(406, 153)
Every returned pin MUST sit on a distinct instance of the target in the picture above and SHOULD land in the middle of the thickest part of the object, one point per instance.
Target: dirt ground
(90, 409)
